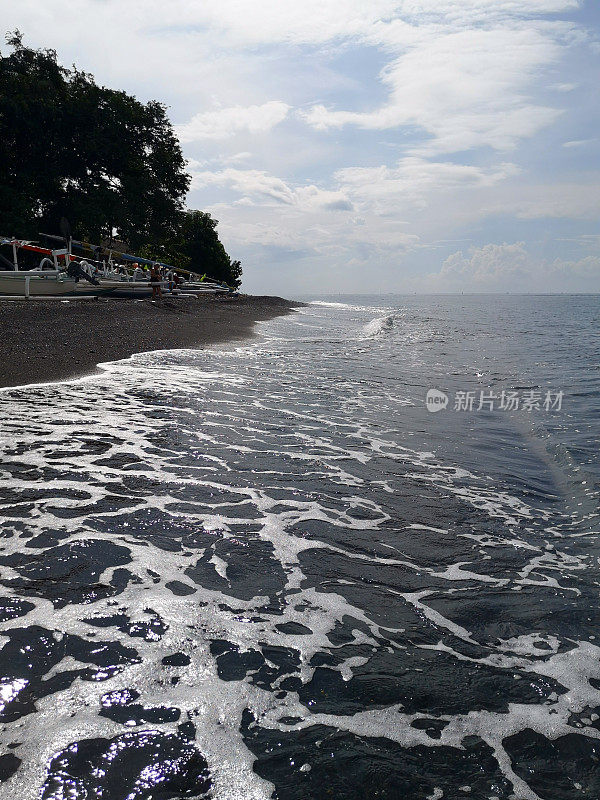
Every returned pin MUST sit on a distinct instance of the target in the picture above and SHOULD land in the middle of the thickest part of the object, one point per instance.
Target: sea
(354, 557)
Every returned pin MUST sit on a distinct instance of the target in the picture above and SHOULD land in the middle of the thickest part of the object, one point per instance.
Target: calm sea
(272, 570)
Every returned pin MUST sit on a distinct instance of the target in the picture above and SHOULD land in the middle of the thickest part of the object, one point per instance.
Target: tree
(29, 154)
(108, 163)
(97, 156)
(199, 246)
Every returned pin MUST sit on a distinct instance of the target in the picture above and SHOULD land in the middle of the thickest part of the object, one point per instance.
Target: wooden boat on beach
(74, 276)
(192, 283)
(50, 277)
(29, 283)
(203, 288)
(60, 272)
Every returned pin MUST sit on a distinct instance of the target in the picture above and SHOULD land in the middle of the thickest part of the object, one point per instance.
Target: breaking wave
(379, 326)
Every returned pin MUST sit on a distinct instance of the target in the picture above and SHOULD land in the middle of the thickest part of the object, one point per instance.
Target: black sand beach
(51, 340)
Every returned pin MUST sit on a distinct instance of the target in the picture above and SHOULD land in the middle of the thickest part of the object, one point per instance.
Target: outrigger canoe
(48, 279)
(52, 278)
(36, 282)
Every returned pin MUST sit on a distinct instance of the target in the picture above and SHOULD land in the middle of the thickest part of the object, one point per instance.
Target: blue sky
(389, 146)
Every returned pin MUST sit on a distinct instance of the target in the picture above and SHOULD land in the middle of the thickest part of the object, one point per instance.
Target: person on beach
(171, 279)
(155, 278)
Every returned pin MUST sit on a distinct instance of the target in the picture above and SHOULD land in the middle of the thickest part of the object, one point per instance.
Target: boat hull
(21, 284)
(113, 288)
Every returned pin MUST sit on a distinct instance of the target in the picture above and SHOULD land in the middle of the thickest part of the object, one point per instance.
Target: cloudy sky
(368, 145)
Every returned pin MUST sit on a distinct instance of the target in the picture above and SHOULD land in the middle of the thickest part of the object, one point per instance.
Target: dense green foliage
(199, 243)
(107, 162)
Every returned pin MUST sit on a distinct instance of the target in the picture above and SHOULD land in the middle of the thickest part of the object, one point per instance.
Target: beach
(45, 340)
(339, 546)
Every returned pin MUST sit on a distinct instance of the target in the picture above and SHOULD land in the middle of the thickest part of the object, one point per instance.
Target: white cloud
(511, 267)
(553, 201)
(487, 266)
(236, 158)
(415, 181)
(268, 189)
(579, 143)
(247, 22)
(465, 89)
(197, 47)
(382, 214)
(586, 268)
(225, 122)
(247, 183)
(456, 83)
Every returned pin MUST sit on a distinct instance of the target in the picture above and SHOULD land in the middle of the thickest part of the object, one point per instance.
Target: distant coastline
(51, 340)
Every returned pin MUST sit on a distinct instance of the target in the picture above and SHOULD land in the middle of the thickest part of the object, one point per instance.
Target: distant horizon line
(451, 294)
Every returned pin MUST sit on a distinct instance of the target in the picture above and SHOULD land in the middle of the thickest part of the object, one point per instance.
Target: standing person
(155, 281)
(170, 278)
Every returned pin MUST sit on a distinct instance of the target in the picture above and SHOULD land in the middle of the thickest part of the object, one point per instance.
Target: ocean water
(269, 570)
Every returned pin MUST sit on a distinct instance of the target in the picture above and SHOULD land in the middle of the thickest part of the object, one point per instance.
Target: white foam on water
(379, 326)
(330, 305)
(342, 306)
(237, 439)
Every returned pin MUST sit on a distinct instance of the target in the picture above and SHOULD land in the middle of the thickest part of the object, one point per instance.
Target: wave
(379, 326)
(349, 307)
(330, 305)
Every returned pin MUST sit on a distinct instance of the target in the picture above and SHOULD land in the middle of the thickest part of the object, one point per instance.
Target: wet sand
(50, 340)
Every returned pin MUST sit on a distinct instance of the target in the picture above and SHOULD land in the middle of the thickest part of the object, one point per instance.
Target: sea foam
(379, 326)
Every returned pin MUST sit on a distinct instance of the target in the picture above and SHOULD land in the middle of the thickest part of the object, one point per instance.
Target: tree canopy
(99, 157)
(200, 244)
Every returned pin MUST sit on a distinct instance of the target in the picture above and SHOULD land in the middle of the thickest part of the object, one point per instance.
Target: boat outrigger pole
(94, 248)
(32, 247)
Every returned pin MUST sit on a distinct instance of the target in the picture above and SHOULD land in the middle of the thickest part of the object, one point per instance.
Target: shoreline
(48, 341)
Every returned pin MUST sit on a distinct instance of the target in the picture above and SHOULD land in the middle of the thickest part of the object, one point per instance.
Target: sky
(368, 146)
